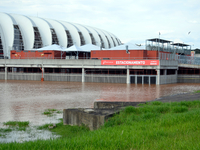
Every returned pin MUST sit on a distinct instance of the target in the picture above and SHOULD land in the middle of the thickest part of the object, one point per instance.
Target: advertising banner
(131, 62)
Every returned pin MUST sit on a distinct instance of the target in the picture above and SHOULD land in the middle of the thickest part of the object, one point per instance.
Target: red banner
(131, 62)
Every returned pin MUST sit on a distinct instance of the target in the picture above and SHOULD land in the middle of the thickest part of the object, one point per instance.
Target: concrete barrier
(93, 118)
(111, 105)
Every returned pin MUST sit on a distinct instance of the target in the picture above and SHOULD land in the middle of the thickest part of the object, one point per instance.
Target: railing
(188, 60)
(169, 49)
(165, 56)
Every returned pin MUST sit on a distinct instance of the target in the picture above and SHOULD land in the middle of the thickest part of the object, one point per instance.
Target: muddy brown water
(26, 100)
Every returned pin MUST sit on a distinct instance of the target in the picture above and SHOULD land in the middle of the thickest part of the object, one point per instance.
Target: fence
(188, 60)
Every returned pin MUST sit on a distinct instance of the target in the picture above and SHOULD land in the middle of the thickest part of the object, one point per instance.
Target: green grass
(5, 130)
(17, 123)
(50, 112)
(198, 91)
(47, 113)
(14, 125)
(59, 112)
(153, 126)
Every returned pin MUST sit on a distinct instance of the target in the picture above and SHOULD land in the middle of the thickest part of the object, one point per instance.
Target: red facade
(121, 54)
(118, 54)
(48, 54)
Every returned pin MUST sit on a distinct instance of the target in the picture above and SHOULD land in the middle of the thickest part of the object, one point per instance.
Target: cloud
(126, 19)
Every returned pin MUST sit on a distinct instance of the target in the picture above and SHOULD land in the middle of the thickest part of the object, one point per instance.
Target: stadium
(19, 32)
(24, 41)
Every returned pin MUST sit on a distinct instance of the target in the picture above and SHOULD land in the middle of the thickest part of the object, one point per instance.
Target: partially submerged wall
(188, 79)
(167, 79)
(2, 76)
(105, 78)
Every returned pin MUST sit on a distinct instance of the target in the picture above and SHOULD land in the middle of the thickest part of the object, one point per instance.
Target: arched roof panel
(74, 32)
(26, 29)
(60, 32)
(7, 33)
(95, 34)
(44, 30)
(85, 33)
(103, 36)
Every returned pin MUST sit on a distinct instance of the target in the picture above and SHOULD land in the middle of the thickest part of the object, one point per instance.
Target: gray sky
(136, 20)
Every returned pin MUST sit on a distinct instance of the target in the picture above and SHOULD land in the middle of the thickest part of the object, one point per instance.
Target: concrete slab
(93, 118)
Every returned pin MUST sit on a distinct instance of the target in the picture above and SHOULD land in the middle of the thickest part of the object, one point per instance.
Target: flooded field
(27, 100)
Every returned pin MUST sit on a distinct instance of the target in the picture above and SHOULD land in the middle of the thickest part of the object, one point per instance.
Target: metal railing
(166, 56)
(169, 49)
(188, 60)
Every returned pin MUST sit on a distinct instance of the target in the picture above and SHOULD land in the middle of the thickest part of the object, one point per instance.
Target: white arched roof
(85, 33)
(44, 30)
(26, 26)
(103, 36)
(26, 29)
(95, 34)
(74, 32)
(60, 32)
(6, 28)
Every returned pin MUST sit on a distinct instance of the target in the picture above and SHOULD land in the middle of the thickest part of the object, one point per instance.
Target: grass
(13, 125)
(5, 130)
(154, 125)
(17, 123)
(198, 91)
(50, 112)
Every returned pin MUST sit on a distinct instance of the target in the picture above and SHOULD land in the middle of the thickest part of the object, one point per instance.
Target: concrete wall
(2, 76)
(24, 76)
(169, 63)
(79, 117)
(111, 105)
(105, 78)
(188, 78)
(79, 63)
(167, 79)
(63, 77)
(49, 62)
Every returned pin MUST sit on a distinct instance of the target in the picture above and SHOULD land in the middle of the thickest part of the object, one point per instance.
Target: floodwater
(27, 100)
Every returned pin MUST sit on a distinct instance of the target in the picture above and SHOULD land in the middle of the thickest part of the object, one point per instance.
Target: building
(19, 32)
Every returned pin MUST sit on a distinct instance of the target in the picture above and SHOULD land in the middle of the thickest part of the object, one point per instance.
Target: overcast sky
(136, 20)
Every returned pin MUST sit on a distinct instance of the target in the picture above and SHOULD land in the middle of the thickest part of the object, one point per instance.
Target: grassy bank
(154, 126)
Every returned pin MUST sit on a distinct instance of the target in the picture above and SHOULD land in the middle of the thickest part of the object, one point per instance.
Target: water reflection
(26, 100)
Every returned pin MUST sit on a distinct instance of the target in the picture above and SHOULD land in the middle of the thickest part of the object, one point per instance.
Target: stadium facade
(19, 32)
